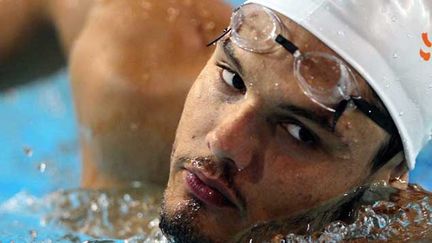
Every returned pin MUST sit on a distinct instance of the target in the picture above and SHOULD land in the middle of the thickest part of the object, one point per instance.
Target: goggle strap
(371, 111)
(288, 45)
(382, 120)
(338, 113)
(226, 31)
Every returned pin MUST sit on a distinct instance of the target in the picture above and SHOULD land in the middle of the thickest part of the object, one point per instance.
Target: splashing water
(132, 216)
(42, 167)
(78, 215)
(28, 151)
(114, 214)
(407, 216)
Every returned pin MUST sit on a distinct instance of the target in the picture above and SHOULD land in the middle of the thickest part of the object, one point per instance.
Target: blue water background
(39, 116)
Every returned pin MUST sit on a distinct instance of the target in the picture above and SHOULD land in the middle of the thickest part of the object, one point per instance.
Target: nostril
(230, 169)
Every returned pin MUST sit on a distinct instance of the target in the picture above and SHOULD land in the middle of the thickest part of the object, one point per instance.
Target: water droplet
(197, 163)
(133, 126)
(28, 151)
(393, 19)
(173, 13)
(205, 13)
(210, 26)
(42, 167)
(145, 77)
(146, 5)
(430, 86)
(395, 55)
(387, 85)
(276, 84)
(33, 234)
(136, 184)
(410, 36)
(341, 33)
(94, 207)
(154, 223)
(401, 113)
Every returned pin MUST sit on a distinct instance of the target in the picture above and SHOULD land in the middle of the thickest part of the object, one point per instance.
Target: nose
(235, 138)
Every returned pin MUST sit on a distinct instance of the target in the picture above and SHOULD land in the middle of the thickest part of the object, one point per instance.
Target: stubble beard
(180, 226)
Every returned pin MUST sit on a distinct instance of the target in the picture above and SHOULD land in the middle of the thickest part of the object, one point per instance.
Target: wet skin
(131, 68)
(266, 149)
(131, 65)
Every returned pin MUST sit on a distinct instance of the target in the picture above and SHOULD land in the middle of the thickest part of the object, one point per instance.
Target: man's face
(252, 147)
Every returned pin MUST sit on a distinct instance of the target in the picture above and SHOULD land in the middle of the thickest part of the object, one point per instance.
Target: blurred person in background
(131, 64)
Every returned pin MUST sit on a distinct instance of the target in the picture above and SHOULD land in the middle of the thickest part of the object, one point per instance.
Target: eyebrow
(228, 49)
(320, 120)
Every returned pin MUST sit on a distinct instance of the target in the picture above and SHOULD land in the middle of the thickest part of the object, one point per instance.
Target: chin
(186, 219)
(179, 220)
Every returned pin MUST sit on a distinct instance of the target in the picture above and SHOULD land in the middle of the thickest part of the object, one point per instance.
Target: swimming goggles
(324, 78)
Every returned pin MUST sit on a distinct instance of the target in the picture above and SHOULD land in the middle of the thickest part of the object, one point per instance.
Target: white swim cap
(382, 41)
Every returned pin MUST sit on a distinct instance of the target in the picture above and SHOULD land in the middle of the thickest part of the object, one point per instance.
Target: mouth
(212, 192)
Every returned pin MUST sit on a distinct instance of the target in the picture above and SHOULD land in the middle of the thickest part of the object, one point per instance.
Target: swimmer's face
(252, 147)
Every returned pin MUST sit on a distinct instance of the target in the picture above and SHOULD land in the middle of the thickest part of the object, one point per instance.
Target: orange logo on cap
(425, 55)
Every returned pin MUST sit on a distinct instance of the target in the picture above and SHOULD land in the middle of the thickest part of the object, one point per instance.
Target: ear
(394, 172)
(399, 176)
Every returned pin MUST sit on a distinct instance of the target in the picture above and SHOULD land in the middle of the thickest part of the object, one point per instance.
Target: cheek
(200, 110)
(289, 186)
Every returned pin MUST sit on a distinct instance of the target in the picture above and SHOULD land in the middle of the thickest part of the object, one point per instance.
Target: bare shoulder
(69, 18)
(18, 19)
(157, 27)
(131, 68)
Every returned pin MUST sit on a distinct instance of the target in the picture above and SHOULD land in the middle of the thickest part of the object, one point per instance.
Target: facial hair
(180, 226)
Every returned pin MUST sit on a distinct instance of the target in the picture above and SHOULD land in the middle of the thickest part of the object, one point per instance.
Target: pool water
(39, 156)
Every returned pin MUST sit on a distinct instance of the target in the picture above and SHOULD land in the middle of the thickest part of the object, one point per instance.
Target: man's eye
(300, 133)
(233, 80)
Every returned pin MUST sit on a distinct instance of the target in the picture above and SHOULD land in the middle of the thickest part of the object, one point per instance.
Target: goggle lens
(325, 79)
(254, 28)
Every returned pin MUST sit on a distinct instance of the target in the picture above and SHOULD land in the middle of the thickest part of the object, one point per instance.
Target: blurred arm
(18, 20)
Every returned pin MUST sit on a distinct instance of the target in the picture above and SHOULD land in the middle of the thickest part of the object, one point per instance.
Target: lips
(213, 192)
(204, 192)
